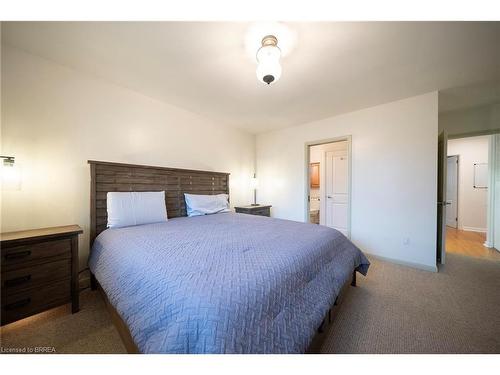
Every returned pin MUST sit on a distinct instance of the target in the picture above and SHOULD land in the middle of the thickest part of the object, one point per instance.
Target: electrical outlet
(406, 241)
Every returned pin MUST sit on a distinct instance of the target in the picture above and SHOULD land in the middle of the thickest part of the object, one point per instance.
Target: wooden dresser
(260, 210)
(39, 271)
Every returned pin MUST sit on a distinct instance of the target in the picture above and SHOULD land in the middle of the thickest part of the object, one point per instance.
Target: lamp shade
(268, 61)
(268, 68)
(254, 182)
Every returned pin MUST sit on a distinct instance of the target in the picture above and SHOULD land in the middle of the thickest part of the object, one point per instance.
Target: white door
(337, 191)
(452, 191)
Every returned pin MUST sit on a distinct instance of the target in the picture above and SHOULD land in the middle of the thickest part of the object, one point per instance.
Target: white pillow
(135, 208)
(197, 204)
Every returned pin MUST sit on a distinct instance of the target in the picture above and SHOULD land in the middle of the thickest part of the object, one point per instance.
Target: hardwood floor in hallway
(469, 243)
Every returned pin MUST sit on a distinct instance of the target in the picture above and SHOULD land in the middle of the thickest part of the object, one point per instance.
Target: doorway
(466, 200)
(328, 191)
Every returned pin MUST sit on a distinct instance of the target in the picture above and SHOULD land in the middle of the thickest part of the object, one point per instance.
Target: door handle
(329, 196)
(17, 304)
(21, 254)
(445, 203)
(17, 281)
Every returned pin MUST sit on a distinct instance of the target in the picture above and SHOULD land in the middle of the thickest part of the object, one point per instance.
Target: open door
(337, 191)
(441, 197)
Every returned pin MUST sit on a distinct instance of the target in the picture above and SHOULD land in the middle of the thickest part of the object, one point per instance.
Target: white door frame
(442, 163)
(490, 216)
(456, 185)
(307, 184)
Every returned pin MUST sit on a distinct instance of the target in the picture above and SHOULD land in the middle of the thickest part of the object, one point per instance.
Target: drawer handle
(18, 304)
(21, 254)
(17, 281)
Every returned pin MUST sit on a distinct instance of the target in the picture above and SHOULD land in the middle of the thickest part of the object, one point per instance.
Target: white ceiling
(476, 95)
(334, 67)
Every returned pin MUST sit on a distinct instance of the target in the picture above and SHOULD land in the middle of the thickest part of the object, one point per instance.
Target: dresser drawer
(254, 210)
(20, 279)
(262, 212)
(21, 305)
(36, 252)
(39, 271)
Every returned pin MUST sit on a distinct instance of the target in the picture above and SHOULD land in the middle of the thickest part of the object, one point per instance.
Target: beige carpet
(395, 309)
(88, 331)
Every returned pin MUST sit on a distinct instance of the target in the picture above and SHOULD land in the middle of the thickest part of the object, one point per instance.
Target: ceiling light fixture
(268, 60)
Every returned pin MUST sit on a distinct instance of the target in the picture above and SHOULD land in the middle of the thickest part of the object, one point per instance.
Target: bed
(222, 283)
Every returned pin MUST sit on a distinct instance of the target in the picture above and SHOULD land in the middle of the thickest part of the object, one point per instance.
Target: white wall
(472, 202)
(471, 120)
(54, 119)
(394, 175)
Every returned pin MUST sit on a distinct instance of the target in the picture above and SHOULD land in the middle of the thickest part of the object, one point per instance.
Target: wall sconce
(255, 184)
(10, 174)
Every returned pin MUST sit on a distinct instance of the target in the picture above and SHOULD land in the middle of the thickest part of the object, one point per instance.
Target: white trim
(457, 217)
(322, 174)
(420, 266)
(490, 206)
(473, 229)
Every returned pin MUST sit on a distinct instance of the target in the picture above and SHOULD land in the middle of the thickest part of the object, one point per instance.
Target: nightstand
(39, 271)
(260, 210)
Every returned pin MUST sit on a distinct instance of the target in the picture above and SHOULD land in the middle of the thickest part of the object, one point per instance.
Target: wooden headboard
(107, 177)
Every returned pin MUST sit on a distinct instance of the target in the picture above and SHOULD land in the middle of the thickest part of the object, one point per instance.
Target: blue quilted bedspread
(224, 283)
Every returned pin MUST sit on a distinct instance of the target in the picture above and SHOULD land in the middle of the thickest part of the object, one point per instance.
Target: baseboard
(473, 229)
(84, 281)
(419, 266)
(487, 244)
